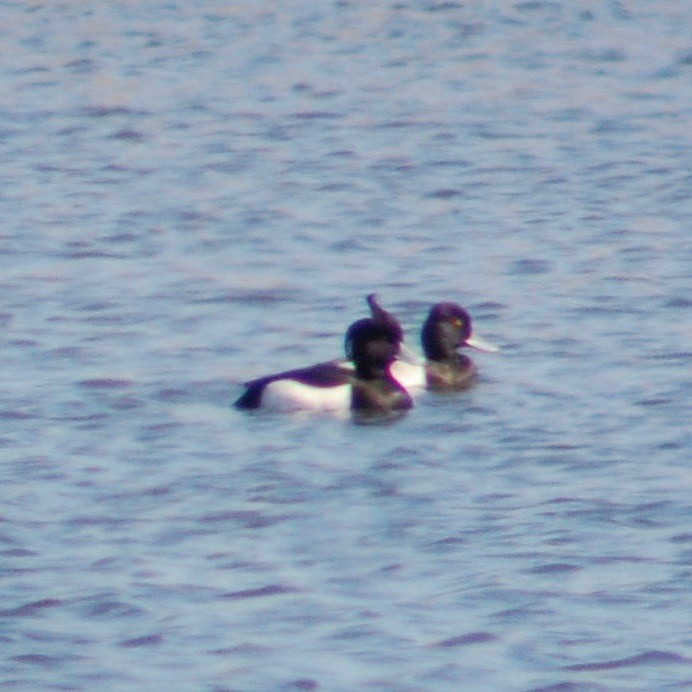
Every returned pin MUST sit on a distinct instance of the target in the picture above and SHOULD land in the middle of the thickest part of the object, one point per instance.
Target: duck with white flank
(447, 329)
(364, 386)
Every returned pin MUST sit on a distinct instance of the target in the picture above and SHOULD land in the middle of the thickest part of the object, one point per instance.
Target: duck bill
(408, 355)
(479, 344)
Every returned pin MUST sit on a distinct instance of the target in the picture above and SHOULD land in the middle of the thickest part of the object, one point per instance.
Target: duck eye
(458, 322)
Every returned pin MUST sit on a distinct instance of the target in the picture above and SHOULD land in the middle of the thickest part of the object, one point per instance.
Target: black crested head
(380, 316)
(372, 345)
(447, 328)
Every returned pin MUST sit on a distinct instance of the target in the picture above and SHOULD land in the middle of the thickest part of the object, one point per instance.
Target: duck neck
(372, 371)
(439, 350)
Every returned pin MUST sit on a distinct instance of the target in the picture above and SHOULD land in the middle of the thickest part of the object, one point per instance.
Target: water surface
(196, 194)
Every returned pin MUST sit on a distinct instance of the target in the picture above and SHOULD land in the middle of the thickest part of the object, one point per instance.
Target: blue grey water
(196, 193)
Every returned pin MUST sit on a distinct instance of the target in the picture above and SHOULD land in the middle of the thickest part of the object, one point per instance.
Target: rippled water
(198, 193)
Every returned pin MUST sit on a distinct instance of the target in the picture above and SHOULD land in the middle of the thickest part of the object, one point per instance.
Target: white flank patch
(408, 375)
(289, 395)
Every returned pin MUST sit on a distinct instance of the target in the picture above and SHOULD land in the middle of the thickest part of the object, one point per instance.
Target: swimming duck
(447, 328)
(362, 384)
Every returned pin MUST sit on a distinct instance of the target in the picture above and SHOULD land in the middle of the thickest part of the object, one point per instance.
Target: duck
(361, 384)
(447, 328)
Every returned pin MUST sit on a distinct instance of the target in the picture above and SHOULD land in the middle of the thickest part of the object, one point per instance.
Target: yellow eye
(458, 322)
